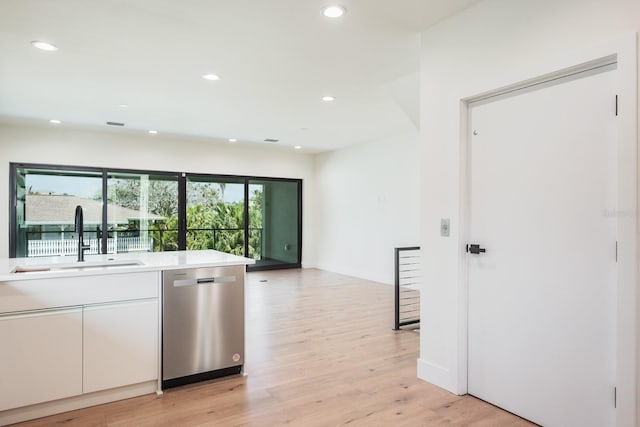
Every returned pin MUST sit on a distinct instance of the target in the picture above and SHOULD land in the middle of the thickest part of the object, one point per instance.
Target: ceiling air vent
(115, 124)
(271, 140)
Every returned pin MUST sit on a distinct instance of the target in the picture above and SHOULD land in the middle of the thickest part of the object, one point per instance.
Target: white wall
(493, 43)
(358, 203)
(366, 203)
(60, 145)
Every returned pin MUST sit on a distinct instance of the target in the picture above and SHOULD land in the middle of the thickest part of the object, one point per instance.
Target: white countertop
(149, 261)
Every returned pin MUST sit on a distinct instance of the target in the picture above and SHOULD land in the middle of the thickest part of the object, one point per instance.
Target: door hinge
(616, 105)
(615, 397)
(616, 251)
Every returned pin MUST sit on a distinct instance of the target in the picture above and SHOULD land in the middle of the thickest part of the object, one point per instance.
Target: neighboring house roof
(59, 209)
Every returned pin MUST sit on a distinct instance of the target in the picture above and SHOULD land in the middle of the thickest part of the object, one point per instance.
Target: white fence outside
(38, 248)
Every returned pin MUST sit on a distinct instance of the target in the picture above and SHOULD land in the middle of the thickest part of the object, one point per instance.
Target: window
(141, 211)
(45, 206)
(215, 214)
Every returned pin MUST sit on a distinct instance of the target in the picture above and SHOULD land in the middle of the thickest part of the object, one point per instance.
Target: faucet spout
(79, 226)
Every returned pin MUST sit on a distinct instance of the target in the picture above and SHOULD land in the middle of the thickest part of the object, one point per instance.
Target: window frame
(182, 178)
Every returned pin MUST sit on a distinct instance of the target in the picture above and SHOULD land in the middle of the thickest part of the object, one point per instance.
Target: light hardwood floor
(320, 352)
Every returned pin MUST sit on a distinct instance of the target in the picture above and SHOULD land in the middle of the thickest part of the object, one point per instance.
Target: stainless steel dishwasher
(202, 324)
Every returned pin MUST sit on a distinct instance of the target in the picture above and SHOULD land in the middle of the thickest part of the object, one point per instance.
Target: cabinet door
(40, 356)
(120, 343)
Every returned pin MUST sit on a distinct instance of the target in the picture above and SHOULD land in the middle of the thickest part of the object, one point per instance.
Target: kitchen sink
(75, 266)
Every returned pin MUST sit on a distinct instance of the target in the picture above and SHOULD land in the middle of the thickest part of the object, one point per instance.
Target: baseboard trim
(39, 410)
(437, 375)
(365, 275)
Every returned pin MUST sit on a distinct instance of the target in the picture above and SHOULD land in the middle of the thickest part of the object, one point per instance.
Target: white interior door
(541, 333)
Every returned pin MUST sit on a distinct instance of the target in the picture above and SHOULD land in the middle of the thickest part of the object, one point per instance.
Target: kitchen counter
(77, 334)
(67, 266)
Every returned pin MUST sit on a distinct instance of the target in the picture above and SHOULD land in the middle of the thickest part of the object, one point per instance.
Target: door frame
(624, 51)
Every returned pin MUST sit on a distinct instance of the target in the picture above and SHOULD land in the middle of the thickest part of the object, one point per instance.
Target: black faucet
(79, 223)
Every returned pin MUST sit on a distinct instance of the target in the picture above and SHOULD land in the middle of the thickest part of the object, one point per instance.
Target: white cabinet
(40, 356)
(44, 293)
(66, 336)
(120, 344)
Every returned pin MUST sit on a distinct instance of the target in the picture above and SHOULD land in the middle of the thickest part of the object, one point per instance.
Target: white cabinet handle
(43, 312)
(103, 305)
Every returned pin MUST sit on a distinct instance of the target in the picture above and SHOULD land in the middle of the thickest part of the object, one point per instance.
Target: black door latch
(475, 249)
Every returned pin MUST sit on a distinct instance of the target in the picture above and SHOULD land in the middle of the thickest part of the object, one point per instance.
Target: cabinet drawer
(39, 294)
(40, 357)
(120, 344)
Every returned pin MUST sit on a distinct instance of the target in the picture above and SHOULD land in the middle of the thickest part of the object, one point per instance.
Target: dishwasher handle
(203, 281)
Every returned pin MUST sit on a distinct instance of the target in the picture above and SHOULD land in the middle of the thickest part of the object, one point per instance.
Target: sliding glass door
(141, 211)
(274, 227)
(45, 201)
(215, 214)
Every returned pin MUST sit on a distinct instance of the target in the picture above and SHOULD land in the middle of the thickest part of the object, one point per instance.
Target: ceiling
(276, 59)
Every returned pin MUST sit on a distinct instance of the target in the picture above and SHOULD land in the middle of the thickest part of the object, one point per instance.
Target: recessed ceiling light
(233, 140)
(153, 132)
(334, 11)
(123, 105)
(298, 147)
(55, 122)
(328, 98)
(211, 77)
(44, 46)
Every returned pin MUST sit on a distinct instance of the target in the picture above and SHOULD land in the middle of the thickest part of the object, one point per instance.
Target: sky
(88, 187)
(81, 186)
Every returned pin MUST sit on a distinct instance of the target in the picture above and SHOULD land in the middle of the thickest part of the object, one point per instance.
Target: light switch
(444, 227)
